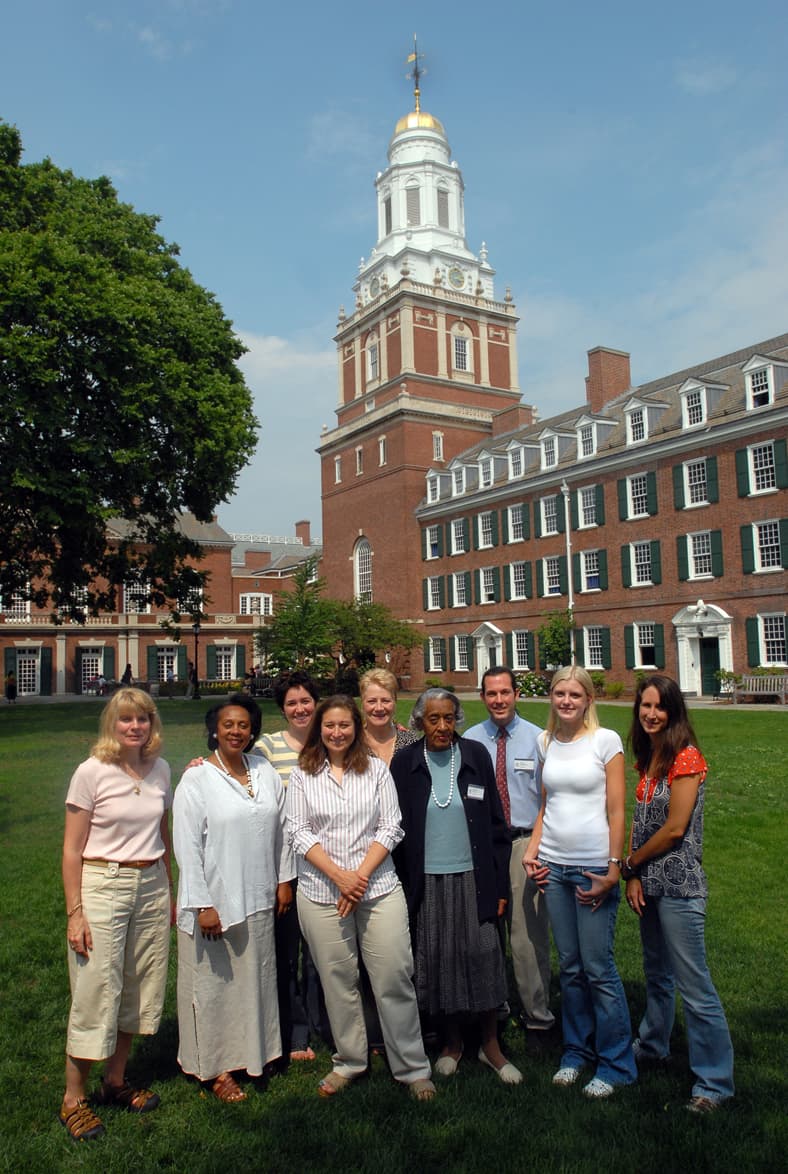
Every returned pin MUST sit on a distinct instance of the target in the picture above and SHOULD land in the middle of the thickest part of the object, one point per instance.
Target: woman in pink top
(116, 880)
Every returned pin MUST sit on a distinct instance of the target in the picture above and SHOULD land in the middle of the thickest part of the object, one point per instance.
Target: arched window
(362, 571)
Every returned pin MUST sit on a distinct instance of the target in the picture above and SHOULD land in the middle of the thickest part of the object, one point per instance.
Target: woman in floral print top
(666, 888)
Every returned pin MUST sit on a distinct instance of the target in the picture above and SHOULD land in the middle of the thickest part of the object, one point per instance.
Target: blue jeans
(674, 955)
(594, 1012)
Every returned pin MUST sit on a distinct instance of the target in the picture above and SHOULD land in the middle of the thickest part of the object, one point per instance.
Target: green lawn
(475, 1123)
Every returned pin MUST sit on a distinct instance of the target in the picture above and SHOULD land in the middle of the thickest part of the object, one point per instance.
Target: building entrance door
(709, 664)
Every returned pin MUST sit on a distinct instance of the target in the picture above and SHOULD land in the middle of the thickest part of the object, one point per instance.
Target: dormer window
(485, 472)
(586, 441)
(636, 425)
(458, 481)
(693, 407)
(760, 388)
(549, 453)
(433, 489)
(764, 380)
(515, 462)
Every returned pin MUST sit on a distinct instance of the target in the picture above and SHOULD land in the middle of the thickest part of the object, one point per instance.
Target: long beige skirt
(228, 1016)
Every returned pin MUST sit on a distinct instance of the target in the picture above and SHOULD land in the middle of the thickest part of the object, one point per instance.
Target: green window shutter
(712, 480)
(563, 576)
(468, 595)
(529, 582)
(497, 584)
(447, 539)
(629, 645)
(450, 590)
(537, 519)
(440, 541)
(529, 649)
(659, 646)
(742, 472)
(477, 586)
(682, 555)
(540, 577)
(441, 592)
(574, 516)
(747, 550)
(716, 553)
(526, 520)
(466, 533)
(494, 527)
(45, 673)
(507, 582)
(580, 647)
(469, 646)
(560, 513)
(181, 670)
(153, 663)
(210, 662)
(678, 486)
(453, 654)
(426, 656)
(623, 504)
(600, 505)
(505, 526)
(753, 642)
(607, 661)
(651, 493)
(784, 543)
(576, 573)
(425, 594)
(626, 566)
(656, 563)
(240, 660)
(780, 464)
(442, 644)
(424, 543)
(602, 560)
(508, 643)
(109, 663)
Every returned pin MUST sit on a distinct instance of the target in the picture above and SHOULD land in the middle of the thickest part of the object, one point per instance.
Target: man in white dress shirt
(511, 743)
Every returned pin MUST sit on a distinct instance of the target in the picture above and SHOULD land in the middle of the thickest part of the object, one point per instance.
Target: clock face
(456, 277)
(374, 287)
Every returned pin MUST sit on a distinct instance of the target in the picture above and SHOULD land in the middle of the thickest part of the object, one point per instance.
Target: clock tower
(427, 367)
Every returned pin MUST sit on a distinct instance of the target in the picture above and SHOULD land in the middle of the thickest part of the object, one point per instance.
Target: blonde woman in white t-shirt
(574, 856)
(116, 881)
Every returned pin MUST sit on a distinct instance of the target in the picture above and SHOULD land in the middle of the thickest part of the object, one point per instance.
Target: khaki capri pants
(120, 985)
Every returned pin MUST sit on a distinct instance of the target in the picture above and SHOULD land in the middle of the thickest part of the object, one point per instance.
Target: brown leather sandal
(80, 1121)
(136, 1100)
(226, 1089)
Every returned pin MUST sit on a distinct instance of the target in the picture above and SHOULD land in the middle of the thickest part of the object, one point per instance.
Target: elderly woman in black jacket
(454, 868)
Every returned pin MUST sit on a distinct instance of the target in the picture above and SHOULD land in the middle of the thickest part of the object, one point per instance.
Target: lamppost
(196, 630)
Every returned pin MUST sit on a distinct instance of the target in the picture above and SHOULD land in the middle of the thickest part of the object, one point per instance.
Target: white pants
(529, 939)
(379, 928)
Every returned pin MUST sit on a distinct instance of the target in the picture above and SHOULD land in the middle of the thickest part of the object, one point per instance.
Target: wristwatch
(615, 860)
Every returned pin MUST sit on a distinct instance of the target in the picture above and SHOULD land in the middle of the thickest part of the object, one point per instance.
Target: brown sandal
(80, 1121)
(226, 1089)
(332, 1084)
(123, 1096)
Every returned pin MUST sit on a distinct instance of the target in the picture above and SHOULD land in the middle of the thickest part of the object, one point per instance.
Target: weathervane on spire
(416, 73)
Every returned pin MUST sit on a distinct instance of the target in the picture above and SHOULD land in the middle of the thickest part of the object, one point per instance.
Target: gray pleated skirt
(458, 962)
(228, 1015)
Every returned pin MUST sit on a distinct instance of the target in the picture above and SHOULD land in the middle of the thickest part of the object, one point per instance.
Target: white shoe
(566, 1076)
(507, 1072)
(598, 1089)
(447, 1065)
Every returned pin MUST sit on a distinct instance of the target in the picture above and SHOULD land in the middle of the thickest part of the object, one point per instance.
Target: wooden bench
(762, 685)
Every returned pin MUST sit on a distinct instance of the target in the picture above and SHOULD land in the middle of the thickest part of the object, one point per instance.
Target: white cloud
(696, 76)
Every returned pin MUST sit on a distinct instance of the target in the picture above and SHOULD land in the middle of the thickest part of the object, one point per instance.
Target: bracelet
(76, 909)
(629, 870)
(618, 863)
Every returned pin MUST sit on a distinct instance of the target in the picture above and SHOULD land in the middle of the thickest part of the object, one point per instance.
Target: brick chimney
(518, 416)
(302, 530)
(608, 376)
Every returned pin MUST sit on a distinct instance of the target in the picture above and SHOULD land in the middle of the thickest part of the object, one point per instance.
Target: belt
(122, 863)
(520, 833)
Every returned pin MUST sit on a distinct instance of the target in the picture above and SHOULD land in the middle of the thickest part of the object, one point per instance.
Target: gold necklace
(248, 785)
(134, 775)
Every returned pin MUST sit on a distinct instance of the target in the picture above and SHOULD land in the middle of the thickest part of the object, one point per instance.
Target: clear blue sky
(625, 163)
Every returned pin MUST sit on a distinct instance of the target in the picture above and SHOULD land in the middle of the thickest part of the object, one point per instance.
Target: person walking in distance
(511, 744)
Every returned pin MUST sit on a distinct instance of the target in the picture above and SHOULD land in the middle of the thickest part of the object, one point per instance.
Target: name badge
(524, 764)
(475, 792)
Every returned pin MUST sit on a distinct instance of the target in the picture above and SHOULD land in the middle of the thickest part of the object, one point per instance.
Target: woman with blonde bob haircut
(384, 735)
(574, 856)
(116, 881)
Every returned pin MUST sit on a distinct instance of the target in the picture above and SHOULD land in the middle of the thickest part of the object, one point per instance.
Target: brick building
(656, 513)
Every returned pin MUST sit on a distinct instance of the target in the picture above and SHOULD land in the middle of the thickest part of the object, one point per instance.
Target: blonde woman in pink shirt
(116, 880)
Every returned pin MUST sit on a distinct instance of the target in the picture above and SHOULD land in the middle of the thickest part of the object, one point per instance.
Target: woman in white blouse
(344, 821)
(235, 868)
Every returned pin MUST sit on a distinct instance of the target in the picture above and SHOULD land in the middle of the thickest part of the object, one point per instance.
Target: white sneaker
(598, 1089)
(566, 1076)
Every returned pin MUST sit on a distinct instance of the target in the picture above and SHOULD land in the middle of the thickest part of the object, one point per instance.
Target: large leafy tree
(119, 394)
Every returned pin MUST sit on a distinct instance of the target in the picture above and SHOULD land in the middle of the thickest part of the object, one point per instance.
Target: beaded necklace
(435, 798)
(229, 773)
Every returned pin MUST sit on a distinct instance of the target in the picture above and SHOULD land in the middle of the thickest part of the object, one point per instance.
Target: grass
(475, 1123)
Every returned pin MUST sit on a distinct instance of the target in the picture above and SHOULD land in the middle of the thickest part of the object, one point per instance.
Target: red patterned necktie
(500, 776)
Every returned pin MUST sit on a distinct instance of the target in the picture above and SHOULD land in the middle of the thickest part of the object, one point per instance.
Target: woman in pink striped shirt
(344, 821)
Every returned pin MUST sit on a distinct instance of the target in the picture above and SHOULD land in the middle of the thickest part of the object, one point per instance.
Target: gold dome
(419, 120)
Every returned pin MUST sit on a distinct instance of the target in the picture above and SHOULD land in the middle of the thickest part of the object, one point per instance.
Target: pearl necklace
(435, 799)
(229, 773)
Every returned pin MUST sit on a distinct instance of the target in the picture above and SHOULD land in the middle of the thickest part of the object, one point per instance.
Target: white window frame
(434, 593)
(592, 643)
(642, 630)
(485, 523)
(458, 481)
(693, 487)
(517, 581)
(549, 515)
(549, 452)
(639, 565)
(637, 424)
(586, 507)
(586, 441)
(769, 468)
(589, 570)
(337, 470)
(760, 545)
(487, 584)
(462, 654)
(458, 536)
(16, 609)
(772, 631)
(433, 489)
(520, 650)
(460, 592)
(437, 446)
(256, 603)
(693, 404)
(225, 661)
(516, 463)
(760, 387)
(166, 659)
(435, 655)
(552, 575)
(138, 591)
(373, 360)
(359, 459)
(460, 353)
(432, 542)
(382, 454)
(633, 480)
(516, 523)
(699, 555)
(485, 472)
(362, 570)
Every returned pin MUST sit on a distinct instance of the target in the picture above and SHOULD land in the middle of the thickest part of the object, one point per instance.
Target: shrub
(532, 684)
(614, 689)
(598, 681)
(436, 683)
